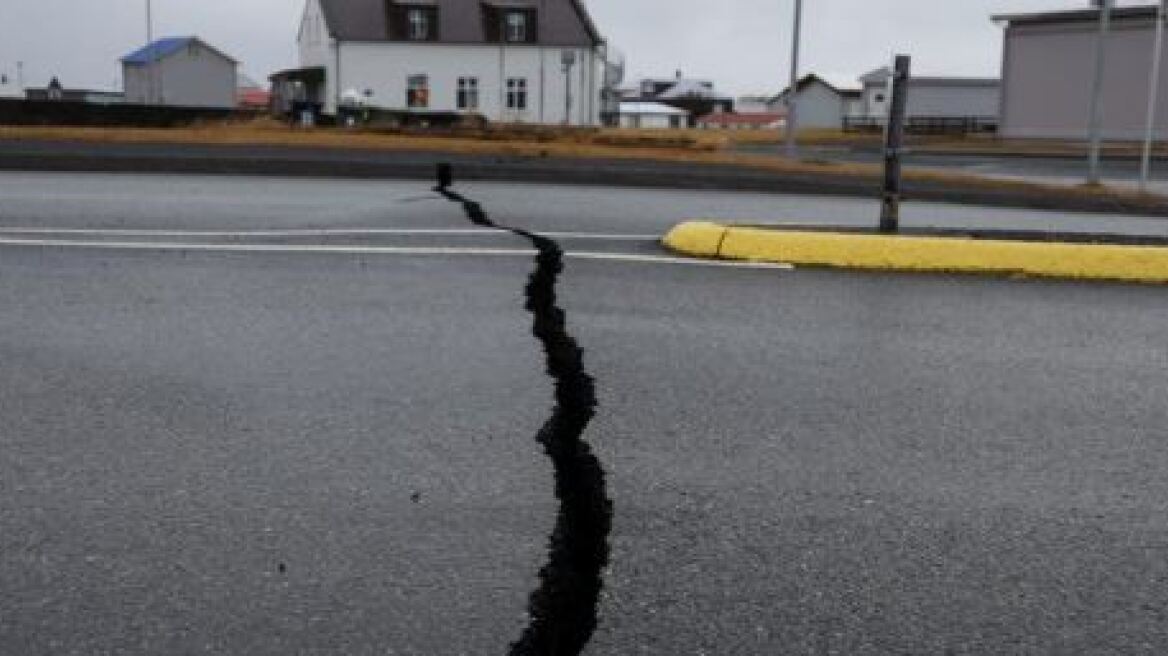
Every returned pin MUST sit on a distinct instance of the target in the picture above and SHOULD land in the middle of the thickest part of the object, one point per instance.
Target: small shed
(652, 115)
(180, 72)
(819, 103)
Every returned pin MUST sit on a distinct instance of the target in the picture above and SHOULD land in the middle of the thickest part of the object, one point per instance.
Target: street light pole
(1153, 97)
(1096, 116)
(149, 62)
(568, 60)
(792, 90)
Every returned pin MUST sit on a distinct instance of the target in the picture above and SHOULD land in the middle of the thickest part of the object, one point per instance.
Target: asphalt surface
(313, 452)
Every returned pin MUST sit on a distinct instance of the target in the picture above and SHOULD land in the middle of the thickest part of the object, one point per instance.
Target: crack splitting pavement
(563, 609)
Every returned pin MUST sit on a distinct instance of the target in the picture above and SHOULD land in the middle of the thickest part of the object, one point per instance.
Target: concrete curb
(938, 254)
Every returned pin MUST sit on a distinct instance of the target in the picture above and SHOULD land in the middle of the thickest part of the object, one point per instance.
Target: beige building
(1048, 67)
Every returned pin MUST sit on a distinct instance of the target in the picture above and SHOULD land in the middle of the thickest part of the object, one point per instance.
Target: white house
(933, 97)
(520, 61)
(819, 104)
(637, 114)
(9, 86)
(180, 72)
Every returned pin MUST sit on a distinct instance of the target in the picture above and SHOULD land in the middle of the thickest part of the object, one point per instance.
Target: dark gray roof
(561, 22)
(1075, 16)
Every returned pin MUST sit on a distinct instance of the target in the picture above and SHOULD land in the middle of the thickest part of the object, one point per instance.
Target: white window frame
(417, 83)
(418, 24)
(517, 94)
(467, 95)
(516, 28)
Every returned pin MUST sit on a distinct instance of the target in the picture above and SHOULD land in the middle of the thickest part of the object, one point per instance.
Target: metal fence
(925, 124)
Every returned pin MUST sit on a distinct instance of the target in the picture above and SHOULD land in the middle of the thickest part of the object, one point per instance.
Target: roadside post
(893, 146)
(568, 61)
(1153, 97)
(1096, 116)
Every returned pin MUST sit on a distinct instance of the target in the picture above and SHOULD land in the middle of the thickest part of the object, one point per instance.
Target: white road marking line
(379, 250)
(314, 232)
(666, 259)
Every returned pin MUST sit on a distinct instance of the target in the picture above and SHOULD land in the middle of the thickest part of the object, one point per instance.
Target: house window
(517, 93)
(516, 28)
(468, 93)
(418, 91)
(420, 27)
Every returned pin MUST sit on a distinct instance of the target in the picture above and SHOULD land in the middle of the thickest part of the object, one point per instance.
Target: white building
(819, 104)
(652, 115)
(519, 61)
(9, 85)
(1048, 66)
(933, 97)
(180, 72)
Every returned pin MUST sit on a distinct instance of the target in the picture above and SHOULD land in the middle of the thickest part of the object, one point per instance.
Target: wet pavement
(314, 452)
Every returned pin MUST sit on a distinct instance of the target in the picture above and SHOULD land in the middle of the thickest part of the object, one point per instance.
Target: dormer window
(516, 26)
(419, 24)
(413, 21)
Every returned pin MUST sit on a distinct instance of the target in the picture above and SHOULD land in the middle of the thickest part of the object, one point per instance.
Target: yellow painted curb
(697, 238)
(913, 253)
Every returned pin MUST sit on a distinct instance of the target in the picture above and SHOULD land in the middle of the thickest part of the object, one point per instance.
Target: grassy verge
(682, 147)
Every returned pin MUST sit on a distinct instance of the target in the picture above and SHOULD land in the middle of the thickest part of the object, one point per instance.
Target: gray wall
(938, 98)
(191, 77)
(1047, 74)
(819, 107)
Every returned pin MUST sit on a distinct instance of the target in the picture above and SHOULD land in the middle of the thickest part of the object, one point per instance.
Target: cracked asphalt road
(330, 453)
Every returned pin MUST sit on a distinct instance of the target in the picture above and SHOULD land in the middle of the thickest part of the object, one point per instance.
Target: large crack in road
(563, 608)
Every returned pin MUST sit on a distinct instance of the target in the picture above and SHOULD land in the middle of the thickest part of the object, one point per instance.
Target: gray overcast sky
(741, 44)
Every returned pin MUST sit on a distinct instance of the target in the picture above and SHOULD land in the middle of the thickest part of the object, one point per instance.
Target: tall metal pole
(1093, 176)
(792, 90)
(20, 76)
(1153, 97)
(149, 61)
(893, 144)
(567, 94)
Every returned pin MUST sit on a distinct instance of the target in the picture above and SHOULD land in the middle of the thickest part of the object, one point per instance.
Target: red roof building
(736, 121)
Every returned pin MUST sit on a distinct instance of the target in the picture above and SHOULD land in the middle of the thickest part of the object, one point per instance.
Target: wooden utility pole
(893, 145)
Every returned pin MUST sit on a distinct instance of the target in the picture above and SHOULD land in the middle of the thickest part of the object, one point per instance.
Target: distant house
(181, 72)
(56, 92)
(250, 95)
(819, 103)
(652, 115)
(9, 86)
(1048, 64)
(506, 60)
(697, 97)
(754, 104)
(933, 99)
(743, 121)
